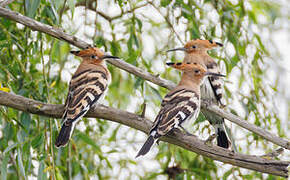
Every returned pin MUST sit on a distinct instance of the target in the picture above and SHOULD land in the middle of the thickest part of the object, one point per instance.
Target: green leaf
(25, 120)
(37, 141)
(20, 163)
(41, 174)
(155, 92)
(4, 167)
(32, 7)
(71, 5)
(139, 22)
(139, 81)
(10, 147)
(165, 3)
(114, 134)
(89, 141)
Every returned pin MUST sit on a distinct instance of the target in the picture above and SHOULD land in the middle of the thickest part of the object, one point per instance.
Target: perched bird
(196, 52)
(87, 85)
(179, 105)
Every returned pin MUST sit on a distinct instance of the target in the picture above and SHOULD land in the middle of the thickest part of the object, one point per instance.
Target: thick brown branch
(59, 33)
(190, 143)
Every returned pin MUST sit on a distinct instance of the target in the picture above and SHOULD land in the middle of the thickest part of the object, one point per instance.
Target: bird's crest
(208, 44)
(197, 45)
(89, 51)
(94, 53)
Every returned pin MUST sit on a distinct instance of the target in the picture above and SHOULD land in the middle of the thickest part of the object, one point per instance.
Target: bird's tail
(222, 137)
(147, 145)
(64, 134)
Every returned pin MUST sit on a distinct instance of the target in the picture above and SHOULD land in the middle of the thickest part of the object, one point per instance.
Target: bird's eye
(93, 57)
(193, 47)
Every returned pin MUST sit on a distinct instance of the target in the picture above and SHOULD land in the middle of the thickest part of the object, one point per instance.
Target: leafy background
(38, 66)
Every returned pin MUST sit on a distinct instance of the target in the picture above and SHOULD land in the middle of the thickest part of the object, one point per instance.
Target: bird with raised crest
(196, 52)
(179, 105)
(87, 86)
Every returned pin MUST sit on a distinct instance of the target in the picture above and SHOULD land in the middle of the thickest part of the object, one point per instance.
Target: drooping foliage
(37, 66)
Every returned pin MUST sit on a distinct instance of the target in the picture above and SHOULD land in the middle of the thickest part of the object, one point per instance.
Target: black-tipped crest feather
(170, 63)
(74, 52)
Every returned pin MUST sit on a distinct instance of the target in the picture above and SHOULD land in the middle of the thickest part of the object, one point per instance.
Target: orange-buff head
(197, 45)
(93, 53)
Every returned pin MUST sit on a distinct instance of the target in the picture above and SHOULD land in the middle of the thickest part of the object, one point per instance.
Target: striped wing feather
(176, 107)
(216, 82)
(85, 89)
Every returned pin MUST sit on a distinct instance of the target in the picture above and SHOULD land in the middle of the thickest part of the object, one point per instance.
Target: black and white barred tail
(148, 144)
(222, 137)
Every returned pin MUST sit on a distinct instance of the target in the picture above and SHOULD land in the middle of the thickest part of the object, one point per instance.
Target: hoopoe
(88, 84)
(196, 52)
(180, 104)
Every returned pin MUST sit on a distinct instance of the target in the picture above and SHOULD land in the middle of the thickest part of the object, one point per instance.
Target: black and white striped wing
(85, 89)
(212, 90)
(177, 107)
(216, 82)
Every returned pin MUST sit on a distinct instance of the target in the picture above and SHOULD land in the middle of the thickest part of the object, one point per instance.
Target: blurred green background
(37, 66)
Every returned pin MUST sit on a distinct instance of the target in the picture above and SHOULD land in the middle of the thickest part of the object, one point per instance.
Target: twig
(90, 6)
(190, 143)
(167, 21)
(60, 34)
(5, 2)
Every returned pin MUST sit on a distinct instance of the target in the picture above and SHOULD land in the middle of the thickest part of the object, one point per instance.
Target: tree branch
(190, 143)
(60, 34)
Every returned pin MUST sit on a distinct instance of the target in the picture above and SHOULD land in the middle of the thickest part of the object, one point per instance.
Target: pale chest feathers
(188, 123)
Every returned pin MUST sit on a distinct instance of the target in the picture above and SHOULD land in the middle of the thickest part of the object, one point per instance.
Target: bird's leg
(210, 139)
(207, 102)
(184, 131)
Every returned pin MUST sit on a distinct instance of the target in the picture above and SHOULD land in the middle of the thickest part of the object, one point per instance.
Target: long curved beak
(219, 44)
(177, 49)
(214, 74)
(109, 57)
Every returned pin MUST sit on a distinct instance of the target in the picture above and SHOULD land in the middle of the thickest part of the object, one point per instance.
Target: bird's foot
(185, 131)
(207, 102)
(209, 140)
